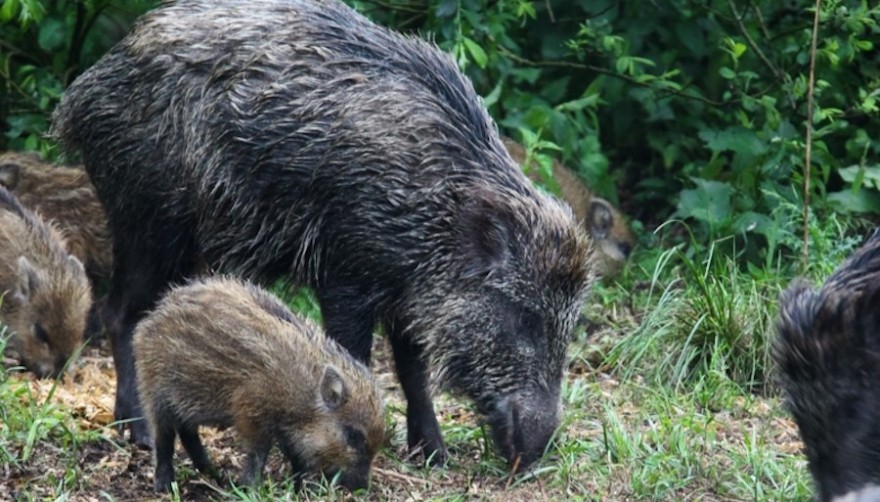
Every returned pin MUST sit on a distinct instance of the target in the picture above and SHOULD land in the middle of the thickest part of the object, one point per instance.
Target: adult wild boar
(296, 138)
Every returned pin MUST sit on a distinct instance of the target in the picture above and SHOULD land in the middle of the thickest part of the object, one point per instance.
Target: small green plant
(31, 424)
(719, 322)
(300, 299)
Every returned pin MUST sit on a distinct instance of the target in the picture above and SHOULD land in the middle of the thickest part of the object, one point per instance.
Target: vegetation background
(689, 114)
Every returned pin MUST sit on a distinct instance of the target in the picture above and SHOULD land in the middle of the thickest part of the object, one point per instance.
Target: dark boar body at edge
(297, 139)
(828, 353)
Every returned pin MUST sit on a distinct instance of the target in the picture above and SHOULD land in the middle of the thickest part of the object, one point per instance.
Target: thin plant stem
(809, 146)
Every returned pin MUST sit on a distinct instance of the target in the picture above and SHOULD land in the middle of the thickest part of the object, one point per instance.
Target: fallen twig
(399, 475)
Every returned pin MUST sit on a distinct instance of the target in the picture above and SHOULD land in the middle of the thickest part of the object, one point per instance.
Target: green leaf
(528, 137)
(526, 9)
(545, 167)
(864, 45)
(530, 75)
(492, 98)
(727, 73)
(735, 139)
(31, 11)
(446, 8)
(709, 201)
(476, 51)
(856, 175)
(556, 90)
(755, 222)
(52, 35)
(860, 201)
(579, 104)
(8, 10)
(31, 143)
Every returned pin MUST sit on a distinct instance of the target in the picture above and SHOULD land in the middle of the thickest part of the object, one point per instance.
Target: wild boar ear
(333, 390)
(601, 218)
(28, 279)
(485, 234)
(9, 174)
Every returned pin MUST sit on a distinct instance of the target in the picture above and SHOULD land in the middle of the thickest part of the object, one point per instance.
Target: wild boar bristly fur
(296, 138)
(63, 196)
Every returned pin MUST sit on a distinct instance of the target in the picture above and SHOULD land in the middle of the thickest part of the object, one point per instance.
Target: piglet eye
(41, 334)
(355, 438)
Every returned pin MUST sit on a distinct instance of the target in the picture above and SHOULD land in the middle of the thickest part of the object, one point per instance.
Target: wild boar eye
(41, 334)
(532, 324)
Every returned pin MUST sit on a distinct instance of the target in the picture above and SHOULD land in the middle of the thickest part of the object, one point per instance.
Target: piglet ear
(601, 218)
(485, 232)
(75, 265)
(333, 389)
(9, 175)
(28, 279)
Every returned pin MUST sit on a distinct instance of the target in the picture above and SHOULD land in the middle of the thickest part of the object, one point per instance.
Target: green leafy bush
(694, 109)
(691, 109)
(44, 45)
